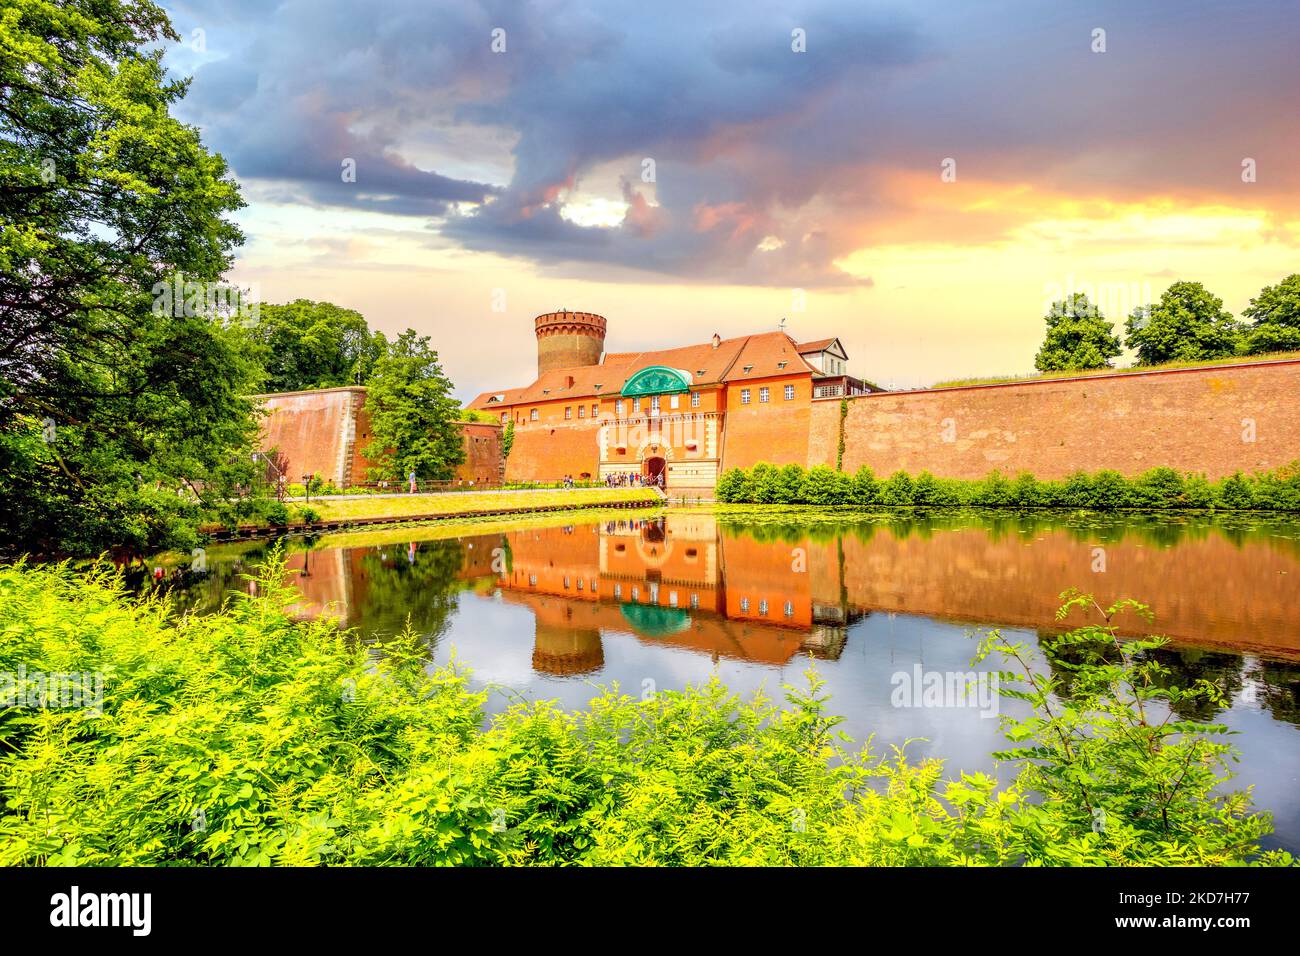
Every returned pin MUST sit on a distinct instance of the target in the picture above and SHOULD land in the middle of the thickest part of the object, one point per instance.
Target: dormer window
(781, 364)
(749, 368)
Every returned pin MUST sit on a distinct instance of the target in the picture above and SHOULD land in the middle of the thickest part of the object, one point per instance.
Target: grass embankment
(1089, 373)
(468, 504)
(473, 502)
(246, 737)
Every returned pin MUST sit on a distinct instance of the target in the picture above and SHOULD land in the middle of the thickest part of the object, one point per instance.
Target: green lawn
(470, 502)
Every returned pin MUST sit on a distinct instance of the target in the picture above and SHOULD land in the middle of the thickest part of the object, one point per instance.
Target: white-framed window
(532, 580)
(618, 406)
(654, 404)
(762, 608)
(744, 396)
(744, 605)
(568, 411)
(582, 411)
(764, 394)
(789, 609)
(532, 416)
(695, 399)
(673, 401)
(595, 408)
(504, 416)
(618, 592)
(636, 405)
(695, 600)
(789, 392)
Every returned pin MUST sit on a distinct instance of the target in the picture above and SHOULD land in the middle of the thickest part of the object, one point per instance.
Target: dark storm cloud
(750, 139)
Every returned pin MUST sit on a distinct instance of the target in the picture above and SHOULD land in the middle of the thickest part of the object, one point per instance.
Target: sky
(920, 179)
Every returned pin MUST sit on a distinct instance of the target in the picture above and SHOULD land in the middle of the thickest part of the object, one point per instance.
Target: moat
(555, 607)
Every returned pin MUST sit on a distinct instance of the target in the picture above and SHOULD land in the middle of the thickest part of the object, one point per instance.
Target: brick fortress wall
(1211, 420)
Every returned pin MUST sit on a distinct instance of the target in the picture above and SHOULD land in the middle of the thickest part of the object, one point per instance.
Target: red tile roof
(819, 346)
(706, 365)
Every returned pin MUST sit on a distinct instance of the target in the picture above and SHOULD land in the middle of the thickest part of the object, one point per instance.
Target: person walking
(411, 479)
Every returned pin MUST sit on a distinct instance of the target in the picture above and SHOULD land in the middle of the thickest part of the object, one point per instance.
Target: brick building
(687, 413)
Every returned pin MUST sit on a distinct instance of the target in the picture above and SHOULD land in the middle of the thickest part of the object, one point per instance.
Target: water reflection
(766, 593)
(554, 609)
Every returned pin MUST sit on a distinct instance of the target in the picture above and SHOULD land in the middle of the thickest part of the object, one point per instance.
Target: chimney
(717, 340)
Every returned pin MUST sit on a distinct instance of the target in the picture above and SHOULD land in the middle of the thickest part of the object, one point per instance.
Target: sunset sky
(1113, 173)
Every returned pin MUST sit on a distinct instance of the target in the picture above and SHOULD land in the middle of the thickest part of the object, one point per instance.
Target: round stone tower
(568, 340)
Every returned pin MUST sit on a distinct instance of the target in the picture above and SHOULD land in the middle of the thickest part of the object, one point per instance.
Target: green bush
(276, 513)
(733, 486)
(865, 487)
(823, 485)
(306, 514)
(248, 737)
(898, 491)
(788, 485)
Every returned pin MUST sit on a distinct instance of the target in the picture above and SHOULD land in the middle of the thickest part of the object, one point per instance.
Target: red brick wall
(1189, 419)
(548, 451)
(776, 431)
(482, 453)
(308, 430)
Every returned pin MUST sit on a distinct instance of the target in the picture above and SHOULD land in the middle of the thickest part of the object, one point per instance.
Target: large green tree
(1189, 323)
(1275, 318)
(305, 344)
(412, 413)
(1078, 337)
(122, 415)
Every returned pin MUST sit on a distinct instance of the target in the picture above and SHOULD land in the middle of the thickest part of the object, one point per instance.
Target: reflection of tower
(565, 651)
(568, 340)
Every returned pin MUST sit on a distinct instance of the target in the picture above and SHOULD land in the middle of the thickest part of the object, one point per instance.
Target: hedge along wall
(1211, 420)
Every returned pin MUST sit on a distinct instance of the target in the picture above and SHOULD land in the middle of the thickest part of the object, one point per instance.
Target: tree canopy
(118, 418)
(1078, 337)
(1189, 323)
(1275, 318)
(305, 344)
(412, 413)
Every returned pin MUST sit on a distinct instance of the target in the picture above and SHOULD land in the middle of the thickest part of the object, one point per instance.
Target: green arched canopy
(657, 380)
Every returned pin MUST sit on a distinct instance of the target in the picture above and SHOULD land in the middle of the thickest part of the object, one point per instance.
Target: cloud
(769, 165)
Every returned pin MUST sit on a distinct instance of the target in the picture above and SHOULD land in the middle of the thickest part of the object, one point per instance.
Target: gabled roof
(823, 345)
(762, 354)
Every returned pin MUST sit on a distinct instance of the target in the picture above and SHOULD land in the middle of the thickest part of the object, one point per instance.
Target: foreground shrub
(247, 737)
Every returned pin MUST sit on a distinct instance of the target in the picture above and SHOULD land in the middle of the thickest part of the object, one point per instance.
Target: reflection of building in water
(765, 598)
(679, 584)
(565, 649)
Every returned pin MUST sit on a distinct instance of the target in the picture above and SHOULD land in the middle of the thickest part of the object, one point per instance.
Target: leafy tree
(412, 413)
(1275, 318)
(1078, 337)
(1187, 324)
(110, 403)
(306, 344)
(507, 439)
